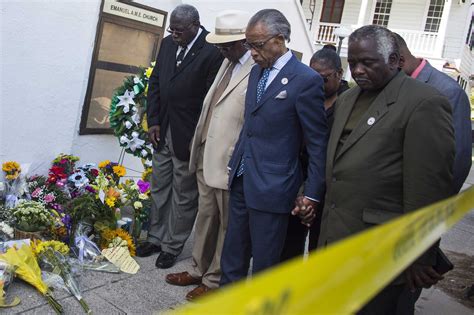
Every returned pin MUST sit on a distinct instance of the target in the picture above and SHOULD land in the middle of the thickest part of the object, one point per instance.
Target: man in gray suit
(390, 152)
(420, 69)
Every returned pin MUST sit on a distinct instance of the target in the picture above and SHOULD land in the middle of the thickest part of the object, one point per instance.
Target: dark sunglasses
(258, 45)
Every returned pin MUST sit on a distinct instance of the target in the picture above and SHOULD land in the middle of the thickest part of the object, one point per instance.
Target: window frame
(373, 13)
(98, 65)
(426, 17)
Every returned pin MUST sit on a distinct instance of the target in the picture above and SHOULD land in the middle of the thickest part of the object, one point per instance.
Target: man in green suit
(391, 151)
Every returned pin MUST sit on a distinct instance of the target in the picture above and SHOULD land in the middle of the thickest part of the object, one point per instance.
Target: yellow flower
(148, 72)
(12, 169)
(110, 201)
(108, 236)
(104, 163)
(39, 246)
(119, 170)
(147, 174)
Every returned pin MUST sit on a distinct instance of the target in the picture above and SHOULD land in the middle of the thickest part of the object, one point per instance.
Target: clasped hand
(305, 209)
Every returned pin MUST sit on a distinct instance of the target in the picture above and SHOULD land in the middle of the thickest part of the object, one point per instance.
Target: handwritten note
(120, 257)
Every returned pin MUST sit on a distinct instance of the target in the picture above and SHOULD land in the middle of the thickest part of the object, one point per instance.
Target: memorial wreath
(128, 114)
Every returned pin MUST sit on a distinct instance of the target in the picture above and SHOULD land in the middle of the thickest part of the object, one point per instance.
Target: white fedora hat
(230, 27)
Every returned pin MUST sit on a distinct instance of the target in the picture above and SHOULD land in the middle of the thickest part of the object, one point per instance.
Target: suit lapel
(192, 54)
(342, 113)
(369, 120)
(277, 85)
(241, 75)
(374, 114)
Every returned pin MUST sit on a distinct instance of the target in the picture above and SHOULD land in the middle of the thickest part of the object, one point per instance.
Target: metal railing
(420, 43)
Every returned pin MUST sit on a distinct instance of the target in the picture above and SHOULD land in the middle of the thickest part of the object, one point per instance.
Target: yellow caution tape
(341, 278)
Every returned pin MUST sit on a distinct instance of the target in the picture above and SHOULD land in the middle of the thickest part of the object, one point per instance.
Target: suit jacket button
(333, 205)
(334, 179)
(249, 134)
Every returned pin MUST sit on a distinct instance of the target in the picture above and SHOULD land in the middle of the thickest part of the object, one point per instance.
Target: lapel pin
(370, 121)
(284, 81)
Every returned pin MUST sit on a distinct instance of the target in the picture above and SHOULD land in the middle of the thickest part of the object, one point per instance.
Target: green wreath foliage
(128, 115)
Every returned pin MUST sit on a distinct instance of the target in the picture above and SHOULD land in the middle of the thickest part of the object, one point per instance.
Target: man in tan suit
(217, 131)
(391, 151)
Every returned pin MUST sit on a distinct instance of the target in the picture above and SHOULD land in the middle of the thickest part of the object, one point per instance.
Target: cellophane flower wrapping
(27, 269)
(7, 273)
(58, 264)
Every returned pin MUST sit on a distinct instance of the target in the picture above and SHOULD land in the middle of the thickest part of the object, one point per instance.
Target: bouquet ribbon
(80, 242)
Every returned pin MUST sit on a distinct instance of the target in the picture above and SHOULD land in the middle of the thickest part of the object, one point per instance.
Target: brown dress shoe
(182, 279)
(197, 292)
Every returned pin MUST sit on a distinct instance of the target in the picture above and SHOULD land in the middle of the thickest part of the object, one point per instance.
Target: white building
(46, 49)
(439, 30)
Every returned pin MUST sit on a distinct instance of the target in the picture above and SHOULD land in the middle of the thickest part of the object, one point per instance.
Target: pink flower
(49, 198)
(36, 193)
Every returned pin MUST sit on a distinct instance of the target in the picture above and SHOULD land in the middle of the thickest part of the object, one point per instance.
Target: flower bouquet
(112, 170)
(136, 195)
(52, 256)
(31, 217)
(7, 272)
(117, 238)
(15, 184)
(28, 270)
(88, 254)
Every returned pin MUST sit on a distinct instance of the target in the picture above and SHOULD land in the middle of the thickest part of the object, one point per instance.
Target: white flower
(142, 197)
(144, 153)
(6, 229)
(137, 205)
(126, 100)
(136, 118)
(128, 124)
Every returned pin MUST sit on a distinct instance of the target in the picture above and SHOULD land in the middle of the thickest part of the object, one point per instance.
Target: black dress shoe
(165, 260)
(146, 249)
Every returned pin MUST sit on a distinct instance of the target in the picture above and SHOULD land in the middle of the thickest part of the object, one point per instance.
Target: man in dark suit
(284, 103)
(185, 69)
(391, 151)
(420, 69)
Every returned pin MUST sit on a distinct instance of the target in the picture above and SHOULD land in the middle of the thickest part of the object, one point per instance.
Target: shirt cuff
(312, 199)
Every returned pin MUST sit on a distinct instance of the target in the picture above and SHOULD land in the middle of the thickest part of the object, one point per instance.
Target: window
(332, 11)
(128, 36)
(382, 12)
(433, 19)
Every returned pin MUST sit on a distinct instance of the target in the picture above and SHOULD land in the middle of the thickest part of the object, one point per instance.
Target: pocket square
(282, 95)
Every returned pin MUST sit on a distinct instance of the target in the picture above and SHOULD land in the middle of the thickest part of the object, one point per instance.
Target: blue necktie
(262, 83)
(260, 90)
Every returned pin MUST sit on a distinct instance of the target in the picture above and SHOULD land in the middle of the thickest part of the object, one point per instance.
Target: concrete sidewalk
(147, 292)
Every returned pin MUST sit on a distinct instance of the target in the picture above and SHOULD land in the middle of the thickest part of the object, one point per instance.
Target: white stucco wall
(46, 50)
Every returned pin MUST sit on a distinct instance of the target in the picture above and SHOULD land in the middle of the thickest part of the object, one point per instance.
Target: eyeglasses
(326, 77)
(178, 32)
(258, 45)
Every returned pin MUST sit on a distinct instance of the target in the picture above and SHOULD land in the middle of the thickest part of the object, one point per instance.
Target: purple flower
(90, 189)
(143, 186)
